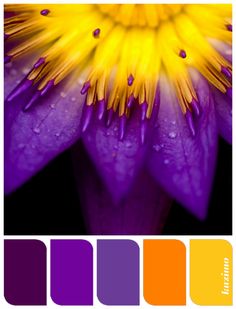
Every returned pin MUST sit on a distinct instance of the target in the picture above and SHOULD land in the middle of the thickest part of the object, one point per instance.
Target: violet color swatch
(118, 272)
(25, 272)
(71, 272)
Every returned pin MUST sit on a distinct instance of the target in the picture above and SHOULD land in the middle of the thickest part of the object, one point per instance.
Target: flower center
(120, 51)
(142, 15)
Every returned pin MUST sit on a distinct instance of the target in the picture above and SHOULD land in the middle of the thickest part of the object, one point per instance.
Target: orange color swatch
(164, 272)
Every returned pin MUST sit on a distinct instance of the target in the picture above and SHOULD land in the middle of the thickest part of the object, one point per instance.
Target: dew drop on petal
(8, 65)
(166, 161)
(21, 146)
(13, 72)
(157, 147)
(52, 106)
(36, 130)
(73, 99)
(63, 94)
(172, 135)
(128, 144)
(25, 71)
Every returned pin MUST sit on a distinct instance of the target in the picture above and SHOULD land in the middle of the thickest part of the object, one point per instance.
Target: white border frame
(92, 239)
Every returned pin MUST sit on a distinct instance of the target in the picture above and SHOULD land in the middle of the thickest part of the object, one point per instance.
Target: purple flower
(147, 97)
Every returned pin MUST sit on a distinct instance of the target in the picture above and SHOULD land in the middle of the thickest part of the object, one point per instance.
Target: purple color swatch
(71, 272)
(118, 272)
(25, 272)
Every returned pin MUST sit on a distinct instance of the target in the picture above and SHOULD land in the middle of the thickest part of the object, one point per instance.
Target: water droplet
(36, 130)
(115, 128)
(172, 135)
(128, 144)
(166, 161)
(73, 99)
(63, 94)
(162, 145)
(157, 147)
(25, 71)
(52, 105)
(21, 146)
(57, 134)
(173, 122)
(18, 81)
(13, 72)
(115, 147)
(8, 65)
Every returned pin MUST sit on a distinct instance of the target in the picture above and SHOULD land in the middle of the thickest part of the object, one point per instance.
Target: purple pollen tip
(182, 53)
(96, 33)
(109, 117)
(22, 87)
(48, 86)
(88, 111)
(123, 120)
(190, 122)
(85, 87)
(229, 27)
(226, 72)
(32, 101)
(131, 100)
(44, 12)
(143, 132)
(38, 63)
(101, 108)
(229, 92)
(7, 59)
(195, 107)
(130, 80)
(144, 107)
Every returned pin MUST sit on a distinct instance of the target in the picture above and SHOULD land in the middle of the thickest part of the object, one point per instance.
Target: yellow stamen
(134, 44)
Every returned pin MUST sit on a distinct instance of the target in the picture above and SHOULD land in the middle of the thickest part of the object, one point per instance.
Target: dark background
(49, 204)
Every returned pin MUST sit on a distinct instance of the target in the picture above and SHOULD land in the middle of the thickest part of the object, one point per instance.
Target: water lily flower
(147, 88)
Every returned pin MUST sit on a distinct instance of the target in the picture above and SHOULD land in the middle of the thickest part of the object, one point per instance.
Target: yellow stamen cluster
(120, 50)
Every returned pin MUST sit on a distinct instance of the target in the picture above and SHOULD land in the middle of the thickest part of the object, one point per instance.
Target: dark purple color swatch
(25, 272)
(118, 272)
(71, 272)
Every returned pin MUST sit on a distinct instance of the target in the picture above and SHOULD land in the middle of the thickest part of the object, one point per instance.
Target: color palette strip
(72, 278)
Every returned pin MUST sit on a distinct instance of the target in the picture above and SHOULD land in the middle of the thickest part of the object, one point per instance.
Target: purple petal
(143, 211)
(118, 161)
(223, 106)
(223, 48)
(183, 164)
(35, 137)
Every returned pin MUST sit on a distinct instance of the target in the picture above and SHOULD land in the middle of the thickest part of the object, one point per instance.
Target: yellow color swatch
(211, 272)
